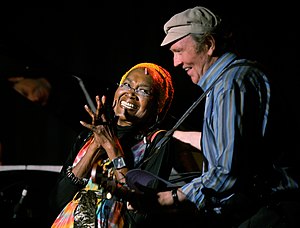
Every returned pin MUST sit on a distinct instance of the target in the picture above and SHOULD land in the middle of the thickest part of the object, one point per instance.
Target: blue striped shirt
(235, 120)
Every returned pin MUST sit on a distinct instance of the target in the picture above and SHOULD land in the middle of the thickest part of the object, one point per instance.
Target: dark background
(100, 43)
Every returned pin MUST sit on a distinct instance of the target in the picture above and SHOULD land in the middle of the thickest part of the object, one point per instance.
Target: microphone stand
(87, 96)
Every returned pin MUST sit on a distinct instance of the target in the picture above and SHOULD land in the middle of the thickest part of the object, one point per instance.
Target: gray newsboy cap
(197, 20)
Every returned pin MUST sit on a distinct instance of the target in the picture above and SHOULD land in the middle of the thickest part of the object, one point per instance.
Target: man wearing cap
(238, 174)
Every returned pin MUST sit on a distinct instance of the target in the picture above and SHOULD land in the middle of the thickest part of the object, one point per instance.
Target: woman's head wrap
(162, 83)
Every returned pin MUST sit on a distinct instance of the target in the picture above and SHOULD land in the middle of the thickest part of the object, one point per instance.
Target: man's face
(185, 53)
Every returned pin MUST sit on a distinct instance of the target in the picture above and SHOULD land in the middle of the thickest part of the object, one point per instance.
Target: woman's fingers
(89, 110)
(89, 126)
(98, 118)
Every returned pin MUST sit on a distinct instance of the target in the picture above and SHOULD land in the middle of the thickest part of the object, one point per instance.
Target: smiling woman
(149, 81)
(139, 106)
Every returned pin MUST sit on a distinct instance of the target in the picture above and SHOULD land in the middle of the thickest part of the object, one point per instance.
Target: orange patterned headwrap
(162, 82)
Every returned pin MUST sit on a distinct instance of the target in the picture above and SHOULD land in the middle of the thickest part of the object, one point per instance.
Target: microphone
(19, 204)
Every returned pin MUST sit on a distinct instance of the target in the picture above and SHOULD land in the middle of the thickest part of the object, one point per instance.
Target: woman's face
(134, 100)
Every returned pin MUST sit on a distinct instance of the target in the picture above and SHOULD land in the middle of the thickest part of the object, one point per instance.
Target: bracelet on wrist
(75, 180)
(175, 196)
(119, 162)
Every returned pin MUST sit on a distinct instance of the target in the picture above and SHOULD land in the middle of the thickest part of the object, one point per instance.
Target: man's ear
(211, 45)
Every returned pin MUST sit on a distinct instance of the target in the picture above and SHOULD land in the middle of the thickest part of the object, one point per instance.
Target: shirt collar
(215, 69)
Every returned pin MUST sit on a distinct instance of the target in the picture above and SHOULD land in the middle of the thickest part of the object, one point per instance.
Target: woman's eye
(144, 91)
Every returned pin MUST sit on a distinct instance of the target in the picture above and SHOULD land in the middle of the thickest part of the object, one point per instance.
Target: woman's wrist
(74, 179)
(119, 162)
